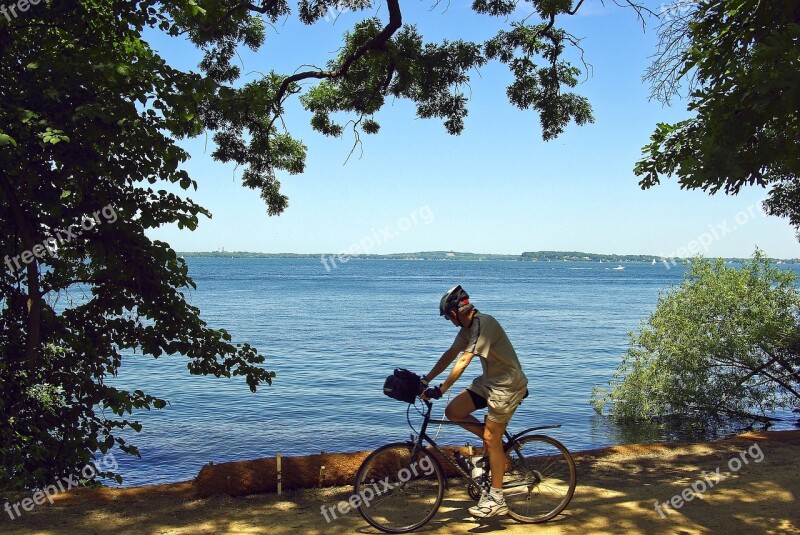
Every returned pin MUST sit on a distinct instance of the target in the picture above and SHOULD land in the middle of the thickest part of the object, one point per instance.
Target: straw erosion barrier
(239, 478)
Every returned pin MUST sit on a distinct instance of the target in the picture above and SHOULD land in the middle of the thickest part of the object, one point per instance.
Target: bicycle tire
(402, 501)
(541, 482)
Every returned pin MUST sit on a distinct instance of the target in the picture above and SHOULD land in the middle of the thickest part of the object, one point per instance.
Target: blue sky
(497, 188)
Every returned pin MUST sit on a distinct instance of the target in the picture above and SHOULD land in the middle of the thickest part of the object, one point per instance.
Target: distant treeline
(574, 256)
(536, 256)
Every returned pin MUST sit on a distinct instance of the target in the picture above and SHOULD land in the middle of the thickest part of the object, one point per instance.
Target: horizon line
(445, 251)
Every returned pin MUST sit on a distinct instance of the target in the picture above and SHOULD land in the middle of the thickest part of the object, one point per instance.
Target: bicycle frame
(424, 437)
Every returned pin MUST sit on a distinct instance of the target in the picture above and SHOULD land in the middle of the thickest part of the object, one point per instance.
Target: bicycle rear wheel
(399, 493)
(541, 479)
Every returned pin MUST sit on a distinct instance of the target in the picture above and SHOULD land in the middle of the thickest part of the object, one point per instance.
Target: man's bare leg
(460, 410)
(493, 438)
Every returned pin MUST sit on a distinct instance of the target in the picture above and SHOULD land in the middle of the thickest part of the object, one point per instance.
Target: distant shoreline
(537, 256)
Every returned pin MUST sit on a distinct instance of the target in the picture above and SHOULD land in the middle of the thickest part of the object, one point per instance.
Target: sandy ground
(616, 494)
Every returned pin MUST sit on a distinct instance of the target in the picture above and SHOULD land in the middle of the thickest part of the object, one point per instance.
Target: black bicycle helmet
(452, 299)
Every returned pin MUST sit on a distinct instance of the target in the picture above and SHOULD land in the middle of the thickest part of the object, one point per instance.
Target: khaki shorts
(501, 404)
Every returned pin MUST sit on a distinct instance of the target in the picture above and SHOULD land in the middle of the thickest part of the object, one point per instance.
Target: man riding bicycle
(501, 387)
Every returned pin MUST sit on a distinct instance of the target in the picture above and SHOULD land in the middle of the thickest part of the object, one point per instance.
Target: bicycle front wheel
(399, 491)
(541, 479)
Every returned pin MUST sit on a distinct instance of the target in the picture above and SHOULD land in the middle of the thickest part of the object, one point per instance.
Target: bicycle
(538, 485)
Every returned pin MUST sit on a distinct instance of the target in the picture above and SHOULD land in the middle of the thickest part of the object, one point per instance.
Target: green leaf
(5, 139)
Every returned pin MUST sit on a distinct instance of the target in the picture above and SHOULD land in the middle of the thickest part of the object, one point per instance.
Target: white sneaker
(489, 506)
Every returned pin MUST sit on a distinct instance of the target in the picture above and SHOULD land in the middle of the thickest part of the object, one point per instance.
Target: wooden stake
(279, 473)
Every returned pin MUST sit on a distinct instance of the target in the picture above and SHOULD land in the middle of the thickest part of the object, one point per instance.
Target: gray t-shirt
(502, 372)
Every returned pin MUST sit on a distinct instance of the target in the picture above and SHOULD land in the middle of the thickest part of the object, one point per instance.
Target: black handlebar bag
(402, 385)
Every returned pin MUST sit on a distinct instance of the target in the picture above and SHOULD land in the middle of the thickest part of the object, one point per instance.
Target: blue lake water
(333, 337)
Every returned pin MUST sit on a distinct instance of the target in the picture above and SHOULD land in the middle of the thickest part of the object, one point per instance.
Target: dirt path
(617, 491)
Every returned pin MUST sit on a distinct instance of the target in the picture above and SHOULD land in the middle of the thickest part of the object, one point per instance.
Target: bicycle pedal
(483, 462)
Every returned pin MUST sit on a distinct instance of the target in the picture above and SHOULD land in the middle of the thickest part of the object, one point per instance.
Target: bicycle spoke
(407, 491)
(541, 479)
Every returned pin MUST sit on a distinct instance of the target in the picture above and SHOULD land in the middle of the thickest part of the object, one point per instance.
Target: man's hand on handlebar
(423, 385)
(432, 393)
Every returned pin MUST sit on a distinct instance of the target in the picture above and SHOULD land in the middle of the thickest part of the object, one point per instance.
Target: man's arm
(457, 370)
(455, 373)
(444, 361)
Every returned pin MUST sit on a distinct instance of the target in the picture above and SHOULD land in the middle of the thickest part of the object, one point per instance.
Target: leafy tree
(741, 62)
(87, 112)
(726, 343)
(89, 118)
